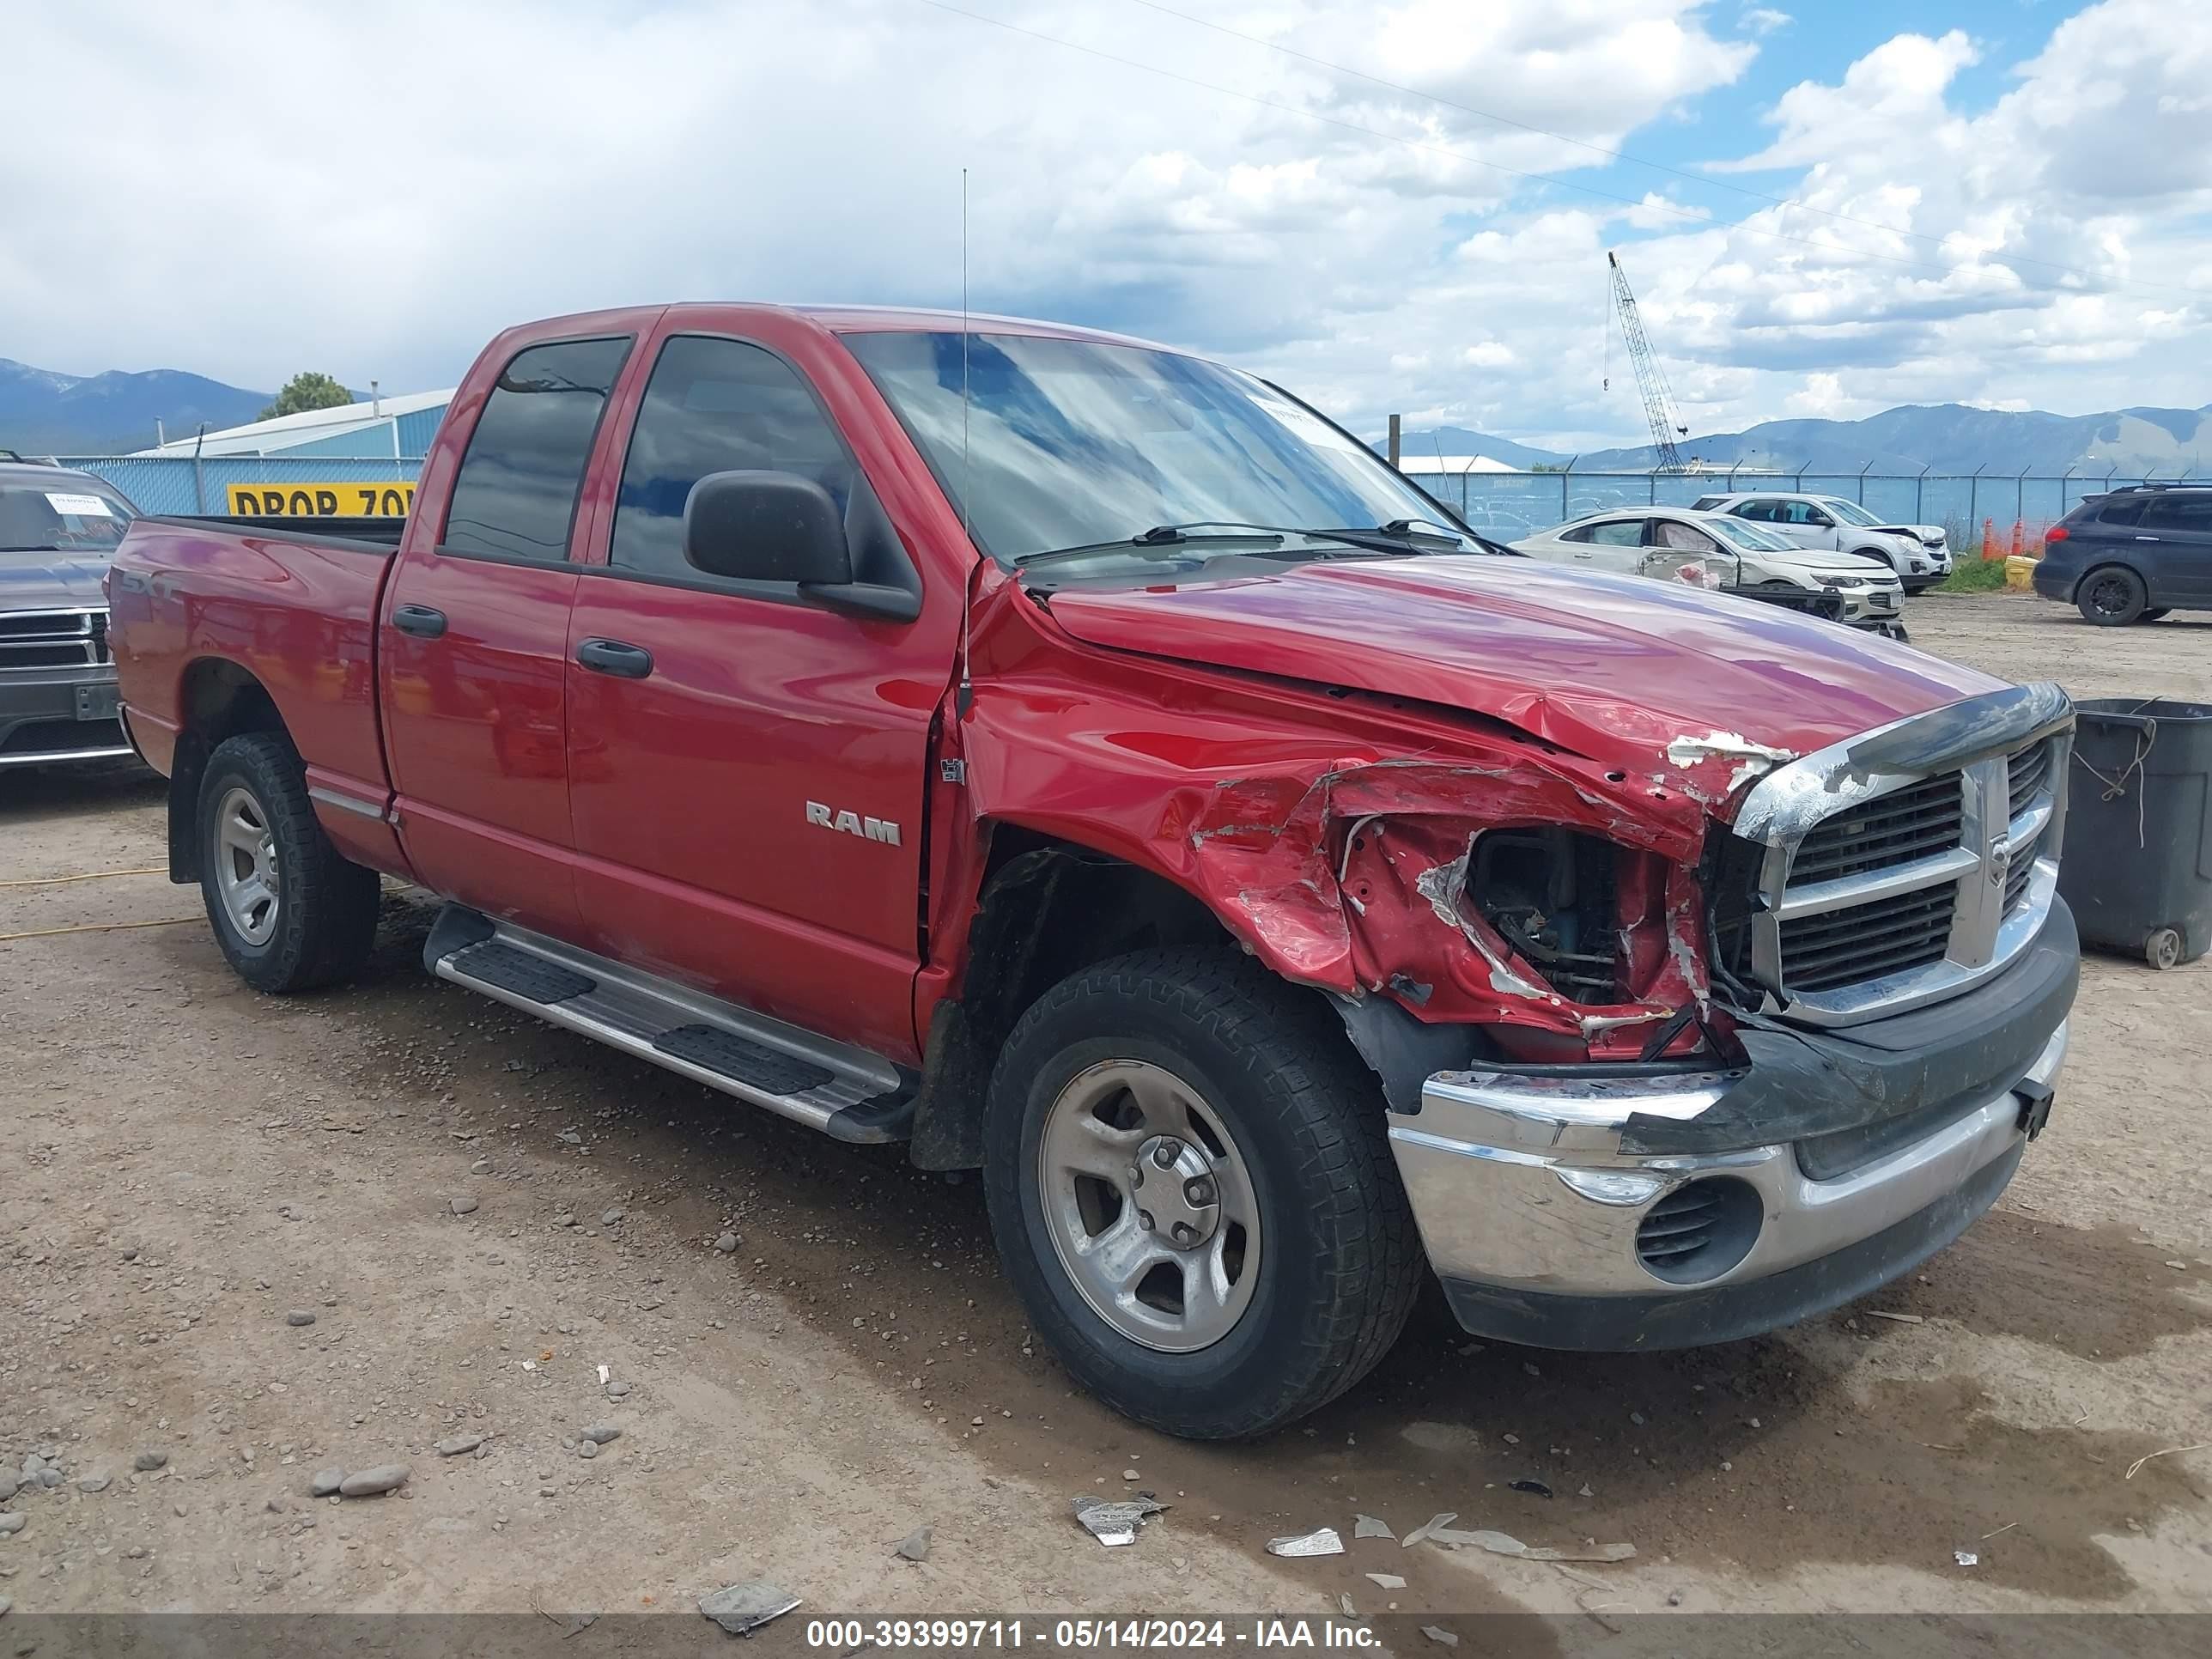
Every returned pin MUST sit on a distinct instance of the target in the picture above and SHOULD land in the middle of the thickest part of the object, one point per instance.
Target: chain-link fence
(308, 484)
(1508, 505)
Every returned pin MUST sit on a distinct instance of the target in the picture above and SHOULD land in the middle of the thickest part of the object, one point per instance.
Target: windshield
(1069, 443)
(1750, 536)
(1849, 512)
(62, 514)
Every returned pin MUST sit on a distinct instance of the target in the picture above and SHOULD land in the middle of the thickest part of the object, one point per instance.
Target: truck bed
(191, 597)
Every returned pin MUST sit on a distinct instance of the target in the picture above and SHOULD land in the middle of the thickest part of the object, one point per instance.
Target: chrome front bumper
(1528, 1203)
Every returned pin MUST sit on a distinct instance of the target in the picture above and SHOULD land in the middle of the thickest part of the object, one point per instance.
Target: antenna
(964, 698)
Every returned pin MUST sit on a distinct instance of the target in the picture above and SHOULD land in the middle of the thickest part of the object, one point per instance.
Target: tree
(304, 391)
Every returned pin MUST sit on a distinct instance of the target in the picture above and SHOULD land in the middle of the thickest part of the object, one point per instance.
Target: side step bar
(847, 1093)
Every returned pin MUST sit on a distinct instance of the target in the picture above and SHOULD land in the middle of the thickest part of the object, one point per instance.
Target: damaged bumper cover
(1648, 1207)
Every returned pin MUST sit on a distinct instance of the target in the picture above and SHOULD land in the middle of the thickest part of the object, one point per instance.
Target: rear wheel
(1192, 1192)
(2111, 597)
(288, 910)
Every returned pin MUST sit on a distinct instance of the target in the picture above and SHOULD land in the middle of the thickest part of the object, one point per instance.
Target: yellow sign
(321, 501)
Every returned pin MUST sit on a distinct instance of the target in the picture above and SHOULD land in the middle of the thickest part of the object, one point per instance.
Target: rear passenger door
(473, 653)
(2174, 537)
(1614, 545)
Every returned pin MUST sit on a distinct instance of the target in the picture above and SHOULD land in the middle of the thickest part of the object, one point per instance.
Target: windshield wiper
(1210, 532)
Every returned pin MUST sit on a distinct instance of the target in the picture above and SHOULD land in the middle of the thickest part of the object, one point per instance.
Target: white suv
(1914, 551)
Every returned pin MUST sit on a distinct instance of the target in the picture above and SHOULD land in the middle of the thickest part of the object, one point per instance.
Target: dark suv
(2133, 555)
(59, 529)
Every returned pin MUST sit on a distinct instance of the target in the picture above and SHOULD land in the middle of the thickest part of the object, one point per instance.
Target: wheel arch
(1048, 906)
(217, 699)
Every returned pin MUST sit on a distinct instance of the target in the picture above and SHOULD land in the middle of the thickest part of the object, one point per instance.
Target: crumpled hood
(51, 580)
(1815, 562)
(1619, 669)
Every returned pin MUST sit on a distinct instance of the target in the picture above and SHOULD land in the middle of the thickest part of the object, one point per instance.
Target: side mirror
(1820, 520)
(766, 528)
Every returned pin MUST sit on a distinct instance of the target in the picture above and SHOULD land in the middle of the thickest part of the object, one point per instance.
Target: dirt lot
(186, 1169)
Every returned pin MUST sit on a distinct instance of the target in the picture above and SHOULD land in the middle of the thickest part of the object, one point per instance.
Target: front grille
(2025, 772)
(1867, 941)
(1891, 829)
(2017, 874)
(52, 639)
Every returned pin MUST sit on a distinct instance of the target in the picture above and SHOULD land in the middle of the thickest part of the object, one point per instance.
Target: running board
(847, 1093)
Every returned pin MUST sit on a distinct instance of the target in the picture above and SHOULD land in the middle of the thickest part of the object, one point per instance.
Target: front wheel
(290, 912)
(1191, 1190)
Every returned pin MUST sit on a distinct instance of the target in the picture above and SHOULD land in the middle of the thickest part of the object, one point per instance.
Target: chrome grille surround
(1985, 743)
(74, 636)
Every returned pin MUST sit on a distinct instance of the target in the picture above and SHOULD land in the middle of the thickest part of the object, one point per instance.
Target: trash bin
(2136, 867)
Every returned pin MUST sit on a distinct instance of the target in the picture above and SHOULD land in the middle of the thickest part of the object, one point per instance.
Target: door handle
(420, 620)
(617, 657)
(2146, 538)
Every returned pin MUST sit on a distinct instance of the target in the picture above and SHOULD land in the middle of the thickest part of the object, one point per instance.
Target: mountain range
(46, 413)
(43, 413)
(1945, 438)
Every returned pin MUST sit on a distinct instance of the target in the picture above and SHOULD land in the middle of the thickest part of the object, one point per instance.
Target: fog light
(1622, 1187)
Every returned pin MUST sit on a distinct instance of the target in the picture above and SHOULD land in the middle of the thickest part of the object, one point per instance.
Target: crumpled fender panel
(1297, 816)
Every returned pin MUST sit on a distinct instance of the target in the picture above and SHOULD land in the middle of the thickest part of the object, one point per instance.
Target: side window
(515, 493)
(2122, 509)
(1687, 538)
(2190, 513)
(1757, 512)
(1619, 532)
(1581, 533)
(715, 406)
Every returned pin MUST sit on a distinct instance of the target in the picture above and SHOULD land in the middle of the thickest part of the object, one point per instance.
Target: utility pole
(1393, 443)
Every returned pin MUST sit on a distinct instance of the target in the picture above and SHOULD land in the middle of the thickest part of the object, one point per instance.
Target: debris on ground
(1322, 1541)
(600, 1433)
(1389, 1581)
(1967, 1558)
(741, 1608)
(459, 1444)
(1896, 1318)
(369, 1483)
(1428, 1527)
(914, 1547)
(1444, 1636)
(1499, 1543)
(1116, 1522)
(1536, 1486)
(2135, 1468)
(300, 1317)
(1366, 1525)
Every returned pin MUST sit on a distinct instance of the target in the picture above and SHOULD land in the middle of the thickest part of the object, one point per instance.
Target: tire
(312, 918)
(1277, 1122)
(2112, 596)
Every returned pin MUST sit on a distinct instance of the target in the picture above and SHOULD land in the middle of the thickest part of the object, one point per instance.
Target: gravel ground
(248, 1241)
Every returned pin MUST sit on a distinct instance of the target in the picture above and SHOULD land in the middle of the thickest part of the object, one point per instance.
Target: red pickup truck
(1086, 763)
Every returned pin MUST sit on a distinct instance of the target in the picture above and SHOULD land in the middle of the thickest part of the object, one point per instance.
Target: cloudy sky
(1825, 207)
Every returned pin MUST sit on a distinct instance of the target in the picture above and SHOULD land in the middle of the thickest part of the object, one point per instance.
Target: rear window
(2121, 509)
(63, 515)
(515, 495)
(1706, 503)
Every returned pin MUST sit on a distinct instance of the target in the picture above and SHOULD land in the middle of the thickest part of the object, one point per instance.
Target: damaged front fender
(1360, 881)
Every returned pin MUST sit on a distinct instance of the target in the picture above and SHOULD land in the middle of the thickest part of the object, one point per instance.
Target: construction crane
(1650, 379)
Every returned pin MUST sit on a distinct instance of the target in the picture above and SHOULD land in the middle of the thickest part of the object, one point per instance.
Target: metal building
(386, 429)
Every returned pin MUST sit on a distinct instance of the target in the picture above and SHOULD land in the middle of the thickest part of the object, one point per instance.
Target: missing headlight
(1551, 893)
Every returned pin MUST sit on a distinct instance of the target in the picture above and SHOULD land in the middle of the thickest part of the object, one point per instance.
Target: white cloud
(1765, 19)
(470, 163)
